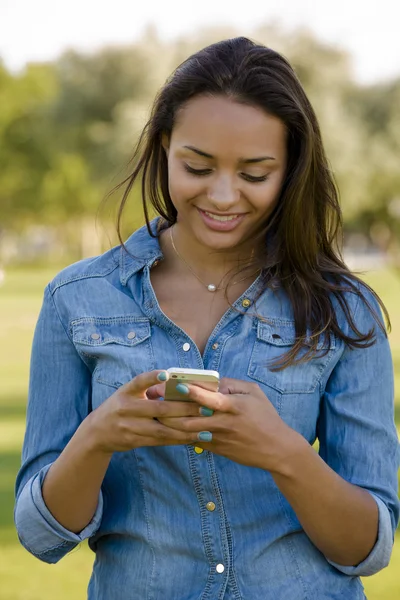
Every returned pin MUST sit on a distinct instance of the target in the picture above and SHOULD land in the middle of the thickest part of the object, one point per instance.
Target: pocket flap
(283, 333)
(98, 331)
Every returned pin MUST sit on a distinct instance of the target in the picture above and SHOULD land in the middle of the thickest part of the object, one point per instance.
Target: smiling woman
(220, 495)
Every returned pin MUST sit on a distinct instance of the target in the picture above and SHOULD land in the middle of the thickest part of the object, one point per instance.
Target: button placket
(212, 519)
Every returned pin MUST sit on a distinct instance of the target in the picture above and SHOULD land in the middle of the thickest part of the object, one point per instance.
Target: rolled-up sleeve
(357, 433)
(58, 401)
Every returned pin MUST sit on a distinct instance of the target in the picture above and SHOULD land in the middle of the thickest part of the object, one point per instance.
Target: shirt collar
(143, 248)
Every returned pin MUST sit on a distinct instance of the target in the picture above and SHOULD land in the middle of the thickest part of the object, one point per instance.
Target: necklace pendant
(211, 287)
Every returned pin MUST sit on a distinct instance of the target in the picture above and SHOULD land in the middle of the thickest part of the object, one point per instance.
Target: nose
(223, 194)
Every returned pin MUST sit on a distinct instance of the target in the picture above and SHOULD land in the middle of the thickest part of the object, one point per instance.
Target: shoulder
(139, 249)
(97, 266)
(360, 305)
(116, 266)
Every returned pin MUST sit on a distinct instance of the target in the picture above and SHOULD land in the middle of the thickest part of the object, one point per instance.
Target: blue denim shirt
(153, 534)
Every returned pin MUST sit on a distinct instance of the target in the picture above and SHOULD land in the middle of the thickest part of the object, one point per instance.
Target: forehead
(222, 126)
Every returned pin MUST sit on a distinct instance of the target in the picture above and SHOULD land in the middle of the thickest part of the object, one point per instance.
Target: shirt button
(210, 506)
(215, 346)
(198, 450)
(95, 336)
(131, 335)
(246, 303)
(155, 263)
(186, 347)
(220, 568)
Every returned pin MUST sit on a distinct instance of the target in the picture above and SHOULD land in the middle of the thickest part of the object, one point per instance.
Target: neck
(209, 265)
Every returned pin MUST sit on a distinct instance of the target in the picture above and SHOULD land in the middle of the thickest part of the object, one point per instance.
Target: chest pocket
(118, 348)
(274, 339)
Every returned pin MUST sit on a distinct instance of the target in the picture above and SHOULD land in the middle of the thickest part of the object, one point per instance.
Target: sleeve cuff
(38, 530)
(380, 554)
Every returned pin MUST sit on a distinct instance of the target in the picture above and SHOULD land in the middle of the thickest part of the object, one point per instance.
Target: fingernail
(204, 436)
(182, 388)
(163, 376)
(206, 412)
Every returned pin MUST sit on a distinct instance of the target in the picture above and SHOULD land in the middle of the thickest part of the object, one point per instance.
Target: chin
(218, 240)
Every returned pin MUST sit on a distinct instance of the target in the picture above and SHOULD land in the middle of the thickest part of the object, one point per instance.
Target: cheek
(265, 197)
(183, 187)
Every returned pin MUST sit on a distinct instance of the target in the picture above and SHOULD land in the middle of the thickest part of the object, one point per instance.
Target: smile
(220, 217)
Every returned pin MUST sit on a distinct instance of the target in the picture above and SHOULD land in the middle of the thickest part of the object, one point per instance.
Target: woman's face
(226, 164)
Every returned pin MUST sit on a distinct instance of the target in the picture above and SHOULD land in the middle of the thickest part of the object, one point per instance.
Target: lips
(221, 222)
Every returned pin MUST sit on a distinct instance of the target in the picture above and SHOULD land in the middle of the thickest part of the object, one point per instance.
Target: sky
(39, 30)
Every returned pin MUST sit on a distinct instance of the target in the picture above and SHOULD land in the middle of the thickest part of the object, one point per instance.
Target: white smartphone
(204, 378)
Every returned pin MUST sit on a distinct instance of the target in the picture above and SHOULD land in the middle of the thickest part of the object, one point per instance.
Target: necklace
(211, 287)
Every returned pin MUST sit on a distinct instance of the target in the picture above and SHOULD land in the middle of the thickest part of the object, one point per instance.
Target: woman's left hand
(245, 426)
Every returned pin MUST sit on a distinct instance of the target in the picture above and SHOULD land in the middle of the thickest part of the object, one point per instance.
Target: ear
(165, 143)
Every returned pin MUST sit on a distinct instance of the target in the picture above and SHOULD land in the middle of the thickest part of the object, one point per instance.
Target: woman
(221, 496)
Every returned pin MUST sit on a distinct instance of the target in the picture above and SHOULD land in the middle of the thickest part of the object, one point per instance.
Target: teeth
(218, 218)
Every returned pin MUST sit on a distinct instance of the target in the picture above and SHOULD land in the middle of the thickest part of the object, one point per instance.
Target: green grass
(23, 577)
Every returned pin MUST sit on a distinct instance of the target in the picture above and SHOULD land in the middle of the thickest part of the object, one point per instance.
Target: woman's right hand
(127, 419)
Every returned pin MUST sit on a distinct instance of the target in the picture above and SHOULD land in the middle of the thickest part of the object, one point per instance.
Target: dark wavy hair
(304, 232)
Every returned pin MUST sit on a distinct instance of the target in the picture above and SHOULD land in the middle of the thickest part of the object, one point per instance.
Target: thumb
(141, 383)
(234, 386)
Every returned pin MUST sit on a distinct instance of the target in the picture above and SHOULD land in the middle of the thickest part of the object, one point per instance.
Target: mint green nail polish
(163, 376)
(205, 436)
(182, 388)
(206, 412)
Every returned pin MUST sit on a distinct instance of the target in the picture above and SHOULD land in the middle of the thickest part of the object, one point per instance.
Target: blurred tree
(376, 111)
(25, 140)
(94, 91)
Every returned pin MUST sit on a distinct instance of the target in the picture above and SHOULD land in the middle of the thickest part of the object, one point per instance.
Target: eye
(254, 179)
(198, 172)
(245, 176)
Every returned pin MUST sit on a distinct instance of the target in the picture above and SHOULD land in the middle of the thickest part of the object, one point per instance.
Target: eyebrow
(241, 160)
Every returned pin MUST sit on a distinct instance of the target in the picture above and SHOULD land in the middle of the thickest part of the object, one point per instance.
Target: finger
(221, 422)
(213, 400)
(151, 441)
(156, 391)
(234, 386)
(139, 384)
(166, 435)
(142, 408)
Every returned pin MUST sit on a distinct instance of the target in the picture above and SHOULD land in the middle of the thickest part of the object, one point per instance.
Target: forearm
(72, 485)
(341, 519)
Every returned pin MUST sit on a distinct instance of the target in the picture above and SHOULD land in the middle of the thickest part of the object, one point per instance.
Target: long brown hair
(303, 235)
